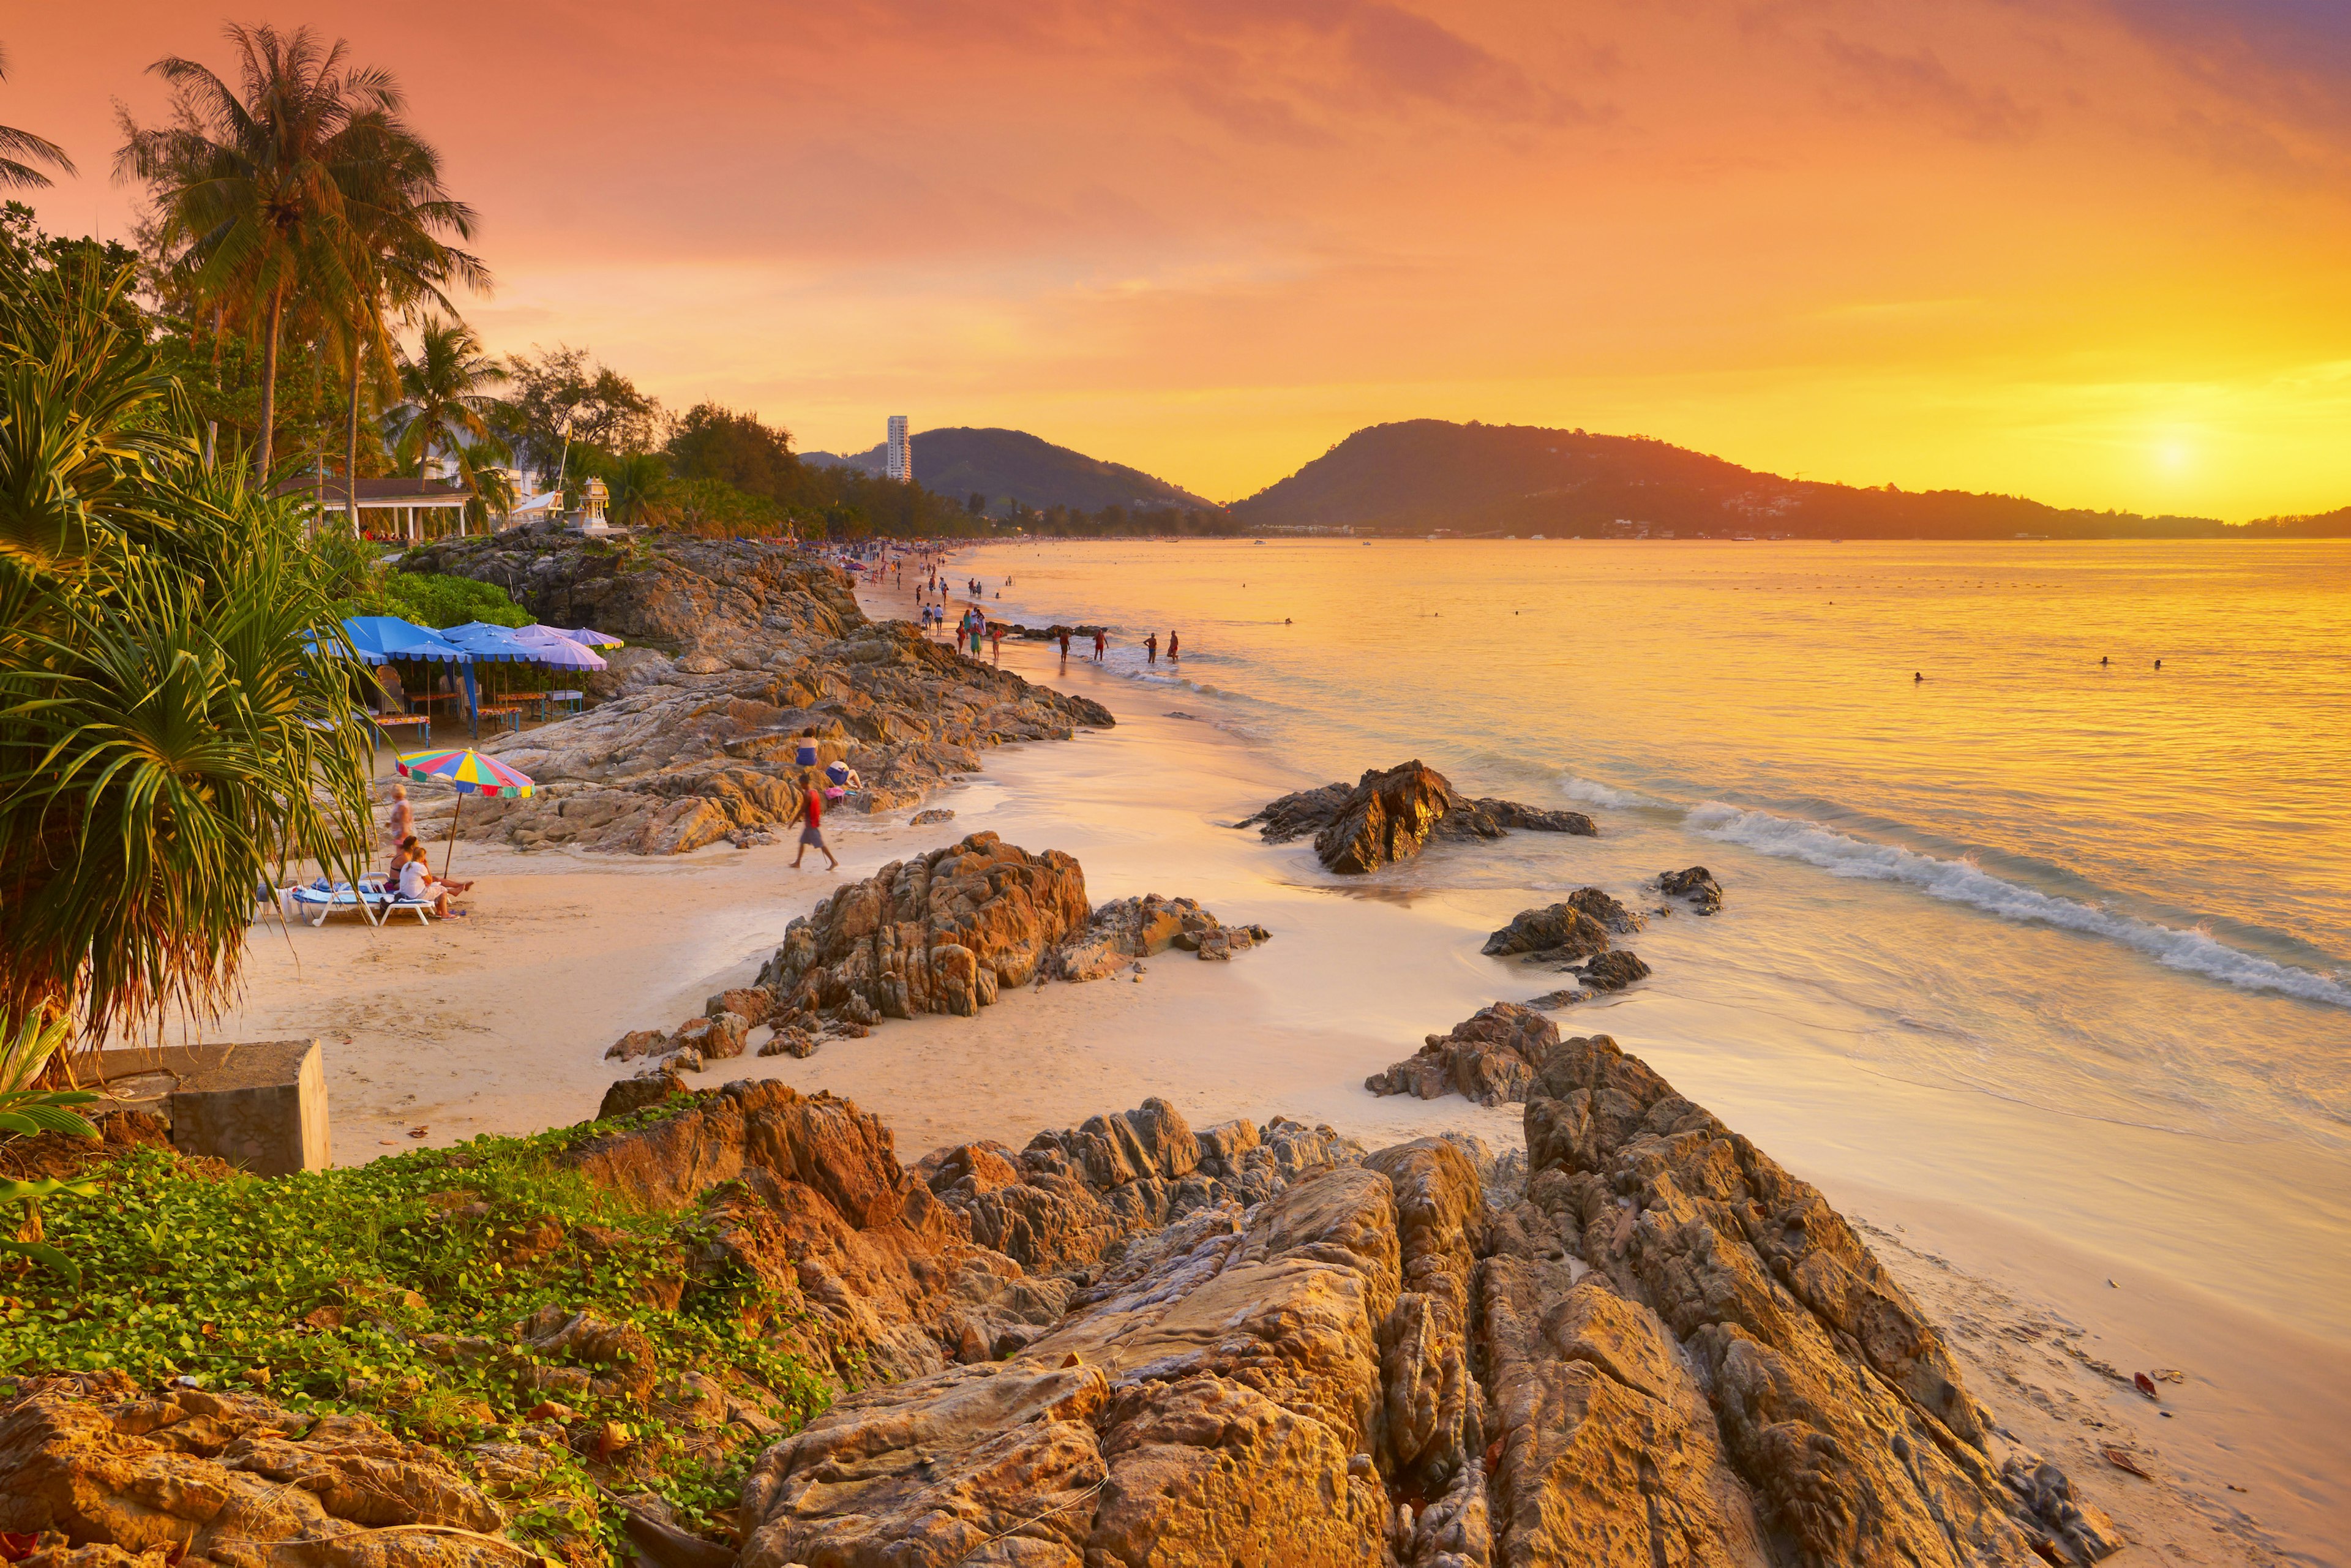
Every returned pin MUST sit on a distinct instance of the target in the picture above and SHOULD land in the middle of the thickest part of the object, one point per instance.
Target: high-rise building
(898, 463)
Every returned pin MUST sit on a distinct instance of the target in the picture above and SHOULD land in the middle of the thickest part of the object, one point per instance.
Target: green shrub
(430, 599)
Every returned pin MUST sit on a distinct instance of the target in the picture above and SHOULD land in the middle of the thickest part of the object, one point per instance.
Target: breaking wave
(1963, 881)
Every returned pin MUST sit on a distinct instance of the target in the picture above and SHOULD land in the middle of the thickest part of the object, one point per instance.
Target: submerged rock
(1555, 931)
(1388, 816)
(1612, 971)
(1697, 884)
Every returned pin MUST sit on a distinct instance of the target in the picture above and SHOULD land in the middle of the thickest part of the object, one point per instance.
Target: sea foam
(1963, 881)
(1591, 793)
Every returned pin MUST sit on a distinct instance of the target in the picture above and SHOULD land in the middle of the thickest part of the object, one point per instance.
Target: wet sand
(499, 1023)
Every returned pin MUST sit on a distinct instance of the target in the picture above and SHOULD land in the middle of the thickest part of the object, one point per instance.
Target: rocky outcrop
(1613, 971)
(1388, 816)
(1663, 1350)
(1694, 884)
(749, 645)
(1819, 1387)
(941, 932)
(1130, 928)
(1074, 1196)
(1490, 1058)
(202, 1476)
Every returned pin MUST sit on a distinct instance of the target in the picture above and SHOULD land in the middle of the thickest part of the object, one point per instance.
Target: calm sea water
(1982, 839)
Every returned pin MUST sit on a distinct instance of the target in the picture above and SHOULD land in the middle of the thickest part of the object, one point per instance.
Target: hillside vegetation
(1424, 474)
(1012, 469)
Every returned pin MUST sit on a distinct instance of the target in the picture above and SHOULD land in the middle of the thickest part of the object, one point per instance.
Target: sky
(2097, 251)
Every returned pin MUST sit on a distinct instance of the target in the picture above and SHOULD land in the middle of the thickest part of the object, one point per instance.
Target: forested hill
(1424, 474)
(1011, 466)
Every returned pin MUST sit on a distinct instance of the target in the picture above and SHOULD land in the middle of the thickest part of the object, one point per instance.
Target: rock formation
(106, 1474)
(1669, 1351)
(1694, 884)
(1133, 928)
(1490, 1058)
(1385, 817)
(1575, 930)
(736, 647)
(1132, 1342)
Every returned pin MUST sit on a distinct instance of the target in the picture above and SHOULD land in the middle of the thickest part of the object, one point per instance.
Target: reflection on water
(1972, 836)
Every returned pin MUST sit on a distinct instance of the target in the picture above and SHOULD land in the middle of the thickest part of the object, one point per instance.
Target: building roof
(397, 490)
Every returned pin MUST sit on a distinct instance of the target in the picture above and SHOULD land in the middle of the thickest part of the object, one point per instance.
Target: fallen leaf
(549, 1410)
(418, 1132)
(2144, 1385)
(2122, 1461)
(324, 1317)
(2170, 1374)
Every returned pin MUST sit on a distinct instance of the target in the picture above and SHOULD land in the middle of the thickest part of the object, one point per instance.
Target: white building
(898, 460)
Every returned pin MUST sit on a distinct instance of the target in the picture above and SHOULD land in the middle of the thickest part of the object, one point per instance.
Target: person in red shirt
(812, 822)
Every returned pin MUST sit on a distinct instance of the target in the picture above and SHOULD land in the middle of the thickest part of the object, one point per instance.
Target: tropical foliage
(21, 149)
(171, 717)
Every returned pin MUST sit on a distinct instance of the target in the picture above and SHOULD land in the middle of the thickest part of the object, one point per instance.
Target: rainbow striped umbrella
(467, 772)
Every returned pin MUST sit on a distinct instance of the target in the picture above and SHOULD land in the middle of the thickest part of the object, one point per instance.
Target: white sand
(499, 1023)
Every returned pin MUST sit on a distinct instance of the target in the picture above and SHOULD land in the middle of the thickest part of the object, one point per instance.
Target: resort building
(399, 507)
(898, 459)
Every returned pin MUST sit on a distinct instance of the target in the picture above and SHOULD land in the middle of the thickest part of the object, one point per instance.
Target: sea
(2036, 860)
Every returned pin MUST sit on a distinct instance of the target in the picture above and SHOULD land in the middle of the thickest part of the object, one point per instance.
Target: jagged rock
(1490, 1058)
(636, 1043)
(606, 1360)
(714, 1038)
(790, 1040)
(1554, 931)
(700, 744)
(229, 1477)
(1834, 1403)
(919, 935)
(1613, 971)
(753, 1003)
(931, 817)
(1387, 816)
(635, 1093)
(1696, 884)
(1551, 999)
(1619, 919)
(1131, 929)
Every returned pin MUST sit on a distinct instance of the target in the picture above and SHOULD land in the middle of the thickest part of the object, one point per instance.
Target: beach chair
(316, 900)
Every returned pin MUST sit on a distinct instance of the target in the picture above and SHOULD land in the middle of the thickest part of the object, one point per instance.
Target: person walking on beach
(1171, 646)
(996, 642)
(1151, 649)
(1065, 644)
(812, 822)
(1102, 641)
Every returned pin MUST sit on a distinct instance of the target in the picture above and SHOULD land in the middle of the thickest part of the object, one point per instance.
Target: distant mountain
(1009, 465)
(1425, 473)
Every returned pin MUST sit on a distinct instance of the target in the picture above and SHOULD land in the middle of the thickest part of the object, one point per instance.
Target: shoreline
(499, 1023)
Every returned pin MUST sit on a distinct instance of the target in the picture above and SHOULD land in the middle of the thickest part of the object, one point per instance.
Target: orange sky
(2094, 251)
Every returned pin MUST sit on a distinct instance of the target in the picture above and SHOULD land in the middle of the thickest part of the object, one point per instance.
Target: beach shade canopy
(380, 639)
(558, 652)
(490, 645)
(589, 636)
(469, 773)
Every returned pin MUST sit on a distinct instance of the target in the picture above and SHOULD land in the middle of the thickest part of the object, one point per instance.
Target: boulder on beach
(1694, 884)
(1388, 815)
(945, 932)
(1490, 1058)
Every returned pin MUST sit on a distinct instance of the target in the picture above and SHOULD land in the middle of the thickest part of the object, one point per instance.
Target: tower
(898, 461)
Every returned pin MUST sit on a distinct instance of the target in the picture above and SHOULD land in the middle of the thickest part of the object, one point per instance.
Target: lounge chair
(372, 898)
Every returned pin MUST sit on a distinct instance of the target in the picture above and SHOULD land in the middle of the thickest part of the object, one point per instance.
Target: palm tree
(400, 226)
(444, 407)
(15, 146)
(252, 182)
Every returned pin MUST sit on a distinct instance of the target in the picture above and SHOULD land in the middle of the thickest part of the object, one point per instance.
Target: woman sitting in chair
(417, 884)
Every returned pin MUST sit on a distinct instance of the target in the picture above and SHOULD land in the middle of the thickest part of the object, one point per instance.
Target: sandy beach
(498, 1023)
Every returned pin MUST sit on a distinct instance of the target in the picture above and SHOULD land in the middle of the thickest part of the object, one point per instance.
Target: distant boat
(1534, 536)
(1743, 538)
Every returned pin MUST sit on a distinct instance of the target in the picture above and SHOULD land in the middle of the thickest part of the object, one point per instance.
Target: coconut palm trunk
(351, 443)
(269, 384)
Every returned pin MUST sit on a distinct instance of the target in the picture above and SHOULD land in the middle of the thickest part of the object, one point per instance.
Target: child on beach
(995, 640)
(812, 823)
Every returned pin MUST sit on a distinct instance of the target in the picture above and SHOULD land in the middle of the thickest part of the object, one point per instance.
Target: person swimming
(1916, 676)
